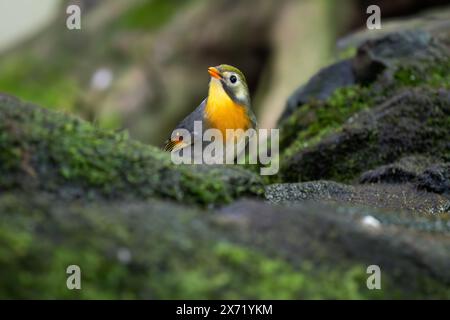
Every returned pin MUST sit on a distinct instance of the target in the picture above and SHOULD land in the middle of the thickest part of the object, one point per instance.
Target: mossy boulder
(60, 154)
(412, 48)
(398, 106)
(412, 122)
(162, 250)
(321, 86)
(375, 141)
(72, 194)
(329, 237)
(407, 169)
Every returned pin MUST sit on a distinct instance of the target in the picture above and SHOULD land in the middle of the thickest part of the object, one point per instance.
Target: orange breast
(222, 112)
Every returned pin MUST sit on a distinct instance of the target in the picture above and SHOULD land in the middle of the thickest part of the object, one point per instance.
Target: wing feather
(188, 124)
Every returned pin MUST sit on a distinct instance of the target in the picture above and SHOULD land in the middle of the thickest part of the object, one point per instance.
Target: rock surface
(322, 85)
(45, 150)
(414, 121)
(394, 197)
(436, 179)
(378, 142)
(337, 235)
(407, 169)
(67, 197)
(396, 105)
(392, 51)
(246, 250)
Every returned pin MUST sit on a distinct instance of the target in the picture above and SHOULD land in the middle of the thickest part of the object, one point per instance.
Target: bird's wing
(187, 124)
(253, 120)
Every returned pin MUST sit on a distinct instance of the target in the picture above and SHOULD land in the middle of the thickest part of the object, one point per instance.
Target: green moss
(170, 252)
(435, 74)
(319, 119)
(324, 118)
(165, 264)
(235, 272)
(59, 153)
(347, 53)
(365, 143)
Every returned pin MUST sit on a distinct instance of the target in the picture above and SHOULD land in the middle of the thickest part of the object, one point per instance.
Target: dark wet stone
(436, 179)
(321, 86)
(395, 197)
(405, 170)
(374, 56)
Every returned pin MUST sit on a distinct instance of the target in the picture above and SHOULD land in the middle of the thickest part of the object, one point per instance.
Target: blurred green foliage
(60, 80)
(149, 14)
(46, 83)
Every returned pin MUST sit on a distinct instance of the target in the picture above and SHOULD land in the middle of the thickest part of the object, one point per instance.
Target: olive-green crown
(226, 67)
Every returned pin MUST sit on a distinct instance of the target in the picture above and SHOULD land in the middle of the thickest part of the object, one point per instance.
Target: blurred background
(141, 65)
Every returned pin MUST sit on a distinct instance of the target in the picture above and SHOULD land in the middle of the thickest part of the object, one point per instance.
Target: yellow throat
(222, 112)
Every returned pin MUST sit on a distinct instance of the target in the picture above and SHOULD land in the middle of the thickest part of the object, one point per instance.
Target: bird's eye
(233, 79)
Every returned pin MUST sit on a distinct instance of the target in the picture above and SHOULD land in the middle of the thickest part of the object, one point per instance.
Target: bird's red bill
(214, 73)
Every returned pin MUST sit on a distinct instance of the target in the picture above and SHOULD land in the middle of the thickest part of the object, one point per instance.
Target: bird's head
(232, 81)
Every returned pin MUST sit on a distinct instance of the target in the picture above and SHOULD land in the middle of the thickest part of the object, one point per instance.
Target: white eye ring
(233, 79)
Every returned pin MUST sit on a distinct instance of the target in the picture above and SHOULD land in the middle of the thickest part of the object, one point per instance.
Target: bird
(227, 106)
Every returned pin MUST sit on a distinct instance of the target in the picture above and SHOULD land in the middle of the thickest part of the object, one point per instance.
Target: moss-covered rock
(44, 150)
(412, 48)
(407, 169)
(248, 250)
(389, 129)
(349, 130)
(317, 119)
(331, 237)
(321, 86)
(412, 122)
